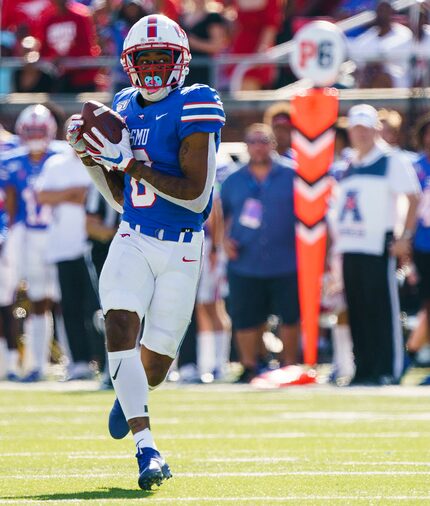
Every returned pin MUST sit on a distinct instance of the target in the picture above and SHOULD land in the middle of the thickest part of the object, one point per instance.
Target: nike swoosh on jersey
(117, 369)
(116, 160)
(158, 116)
(188, 260)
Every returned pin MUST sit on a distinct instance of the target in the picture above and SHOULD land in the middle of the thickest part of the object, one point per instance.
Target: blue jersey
(422, 234)
(22, 173)
(8, 142)
(3, 216)
(156, 133)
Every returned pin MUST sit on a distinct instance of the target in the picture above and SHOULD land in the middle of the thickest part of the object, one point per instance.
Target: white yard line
(262, 460)
(305, 391)
(51, 408)
(265, 499)
(90, 476)
(353, 416)
(255, 459)
(262, 435)
(58, 420)
(304, 473)
(293, 435)
(384, 463)
(348, 416)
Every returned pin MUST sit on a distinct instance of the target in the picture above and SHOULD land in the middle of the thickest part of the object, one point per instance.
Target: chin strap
(154, 97)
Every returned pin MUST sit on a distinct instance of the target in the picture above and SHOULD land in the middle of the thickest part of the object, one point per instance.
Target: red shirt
(252, 18)
(170, 8)
(71, 33)
(28, 13)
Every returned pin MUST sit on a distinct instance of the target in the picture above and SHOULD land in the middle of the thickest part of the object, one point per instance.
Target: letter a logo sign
(351, 206)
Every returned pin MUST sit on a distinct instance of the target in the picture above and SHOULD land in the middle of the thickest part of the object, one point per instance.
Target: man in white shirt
(420, 46)
(388, 44)
(365, 219)
(63, 185)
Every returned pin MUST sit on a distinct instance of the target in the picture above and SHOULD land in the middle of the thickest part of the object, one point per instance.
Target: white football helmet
(156, 33)
(36, 127)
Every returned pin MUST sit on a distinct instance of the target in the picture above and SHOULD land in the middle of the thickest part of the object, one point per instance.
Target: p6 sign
(319, 50)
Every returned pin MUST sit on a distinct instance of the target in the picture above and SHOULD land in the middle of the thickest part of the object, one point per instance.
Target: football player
(8, 324)
(36, 128)
(167, 159)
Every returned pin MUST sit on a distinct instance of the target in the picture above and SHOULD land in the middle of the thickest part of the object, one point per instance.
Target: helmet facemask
(36, 138)
(36, 127)
(155, 78)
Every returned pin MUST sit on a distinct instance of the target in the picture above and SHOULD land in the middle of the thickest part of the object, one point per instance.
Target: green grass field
(226, 445)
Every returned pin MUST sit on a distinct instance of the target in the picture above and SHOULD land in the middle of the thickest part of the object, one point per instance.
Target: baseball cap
(364, 115)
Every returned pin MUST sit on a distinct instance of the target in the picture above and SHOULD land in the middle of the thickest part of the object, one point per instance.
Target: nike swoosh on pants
(117, 369)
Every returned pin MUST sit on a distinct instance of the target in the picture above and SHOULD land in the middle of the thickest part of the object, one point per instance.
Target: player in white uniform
(167, 156)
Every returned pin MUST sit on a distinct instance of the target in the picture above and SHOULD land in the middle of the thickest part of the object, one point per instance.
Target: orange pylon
(313, 115)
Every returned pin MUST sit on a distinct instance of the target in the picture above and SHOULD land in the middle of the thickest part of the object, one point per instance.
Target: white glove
(74, 135)
(112, 156)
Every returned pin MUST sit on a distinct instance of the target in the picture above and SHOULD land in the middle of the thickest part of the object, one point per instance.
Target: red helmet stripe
(152, 27)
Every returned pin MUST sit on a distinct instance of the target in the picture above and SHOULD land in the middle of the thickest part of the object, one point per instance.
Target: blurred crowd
(55, 231)
(61, 41)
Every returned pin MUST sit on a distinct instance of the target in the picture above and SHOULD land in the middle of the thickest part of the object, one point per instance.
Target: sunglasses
(258, 140)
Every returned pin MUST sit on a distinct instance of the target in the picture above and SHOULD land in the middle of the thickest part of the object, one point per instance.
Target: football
(105, 119)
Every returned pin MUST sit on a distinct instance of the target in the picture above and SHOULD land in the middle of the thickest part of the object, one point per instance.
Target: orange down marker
(313, 115)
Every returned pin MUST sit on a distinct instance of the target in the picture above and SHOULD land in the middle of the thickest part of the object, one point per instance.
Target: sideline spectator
(391, 132)
(25, 17)
(365, 218)
(388, 42)
(208, 36)
(255, 31)
(422, 234)
(70, 32)
(391, 124)
(259, 217)
(65, 191)
(278, 117)
(420, 48)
